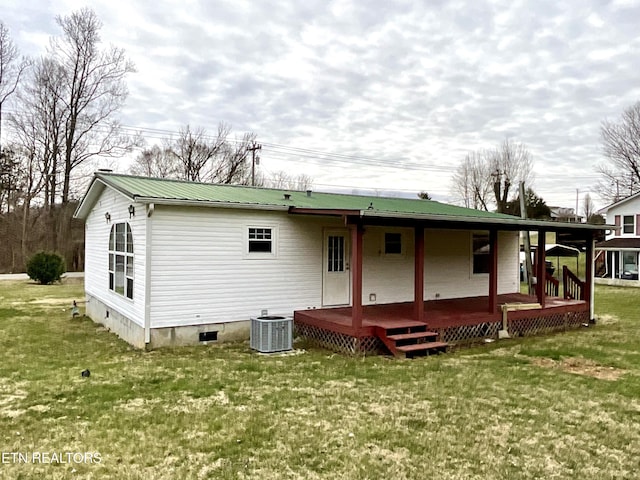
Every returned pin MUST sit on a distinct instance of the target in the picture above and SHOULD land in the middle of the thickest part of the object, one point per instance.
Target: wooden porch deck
(456, 320)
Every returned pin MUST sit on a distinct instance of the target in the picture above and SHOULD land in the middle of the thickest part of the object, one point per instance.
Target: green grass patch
(558, 406)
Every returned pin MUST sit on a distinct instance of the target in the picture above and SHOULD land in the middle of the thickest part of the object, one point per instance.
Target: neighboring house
(565, 214)
(617, 257)
(176, 263)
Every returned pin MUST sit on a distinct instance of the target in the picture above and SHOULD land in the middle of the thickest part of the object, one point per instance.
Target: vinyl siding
(617, 214)
(448, 265)
(389, 277)
(202, 273)
(97, 231)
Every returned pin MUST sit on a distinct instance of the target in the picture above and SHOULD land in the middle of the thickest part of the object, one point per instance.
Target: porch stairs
(409, 339)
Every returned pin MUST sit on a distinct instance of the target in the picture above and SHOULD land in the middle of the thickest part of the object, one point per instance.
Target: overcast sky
(403, 89)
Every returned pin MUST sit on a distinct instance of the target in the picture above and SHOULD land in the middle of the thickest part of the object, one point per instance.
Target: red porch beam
(541, 270)
(418, 286)
(493, 271)
(357, 231)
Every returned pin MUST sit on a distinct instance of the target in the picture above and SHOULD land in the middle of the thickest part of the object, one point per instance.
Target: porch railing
(552, 287)
(574, 288)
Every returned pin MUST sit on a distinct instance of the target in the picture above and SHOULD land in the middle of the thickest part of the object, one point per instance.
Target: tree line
(489, 179)
(63, 116)
(64, 106)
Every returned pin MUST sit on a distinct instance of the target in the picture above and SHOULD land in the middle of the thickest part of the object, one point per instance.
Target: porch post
(357, 232)
(589, 277)
(418, 288)
(493, 271)
(541, 269)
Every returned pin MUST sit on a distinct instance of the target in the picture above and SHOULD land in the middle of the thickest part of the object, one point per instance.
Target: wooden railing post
(573, 287)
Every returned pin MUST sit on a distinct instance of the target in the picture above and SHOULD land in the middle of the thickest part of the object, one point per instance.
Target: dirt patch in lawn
(581, 366)
(607, 319)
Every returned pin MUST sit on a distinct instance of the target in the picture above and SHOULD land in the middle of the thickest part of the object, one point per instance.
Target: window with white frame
(121, 260)
(481, 253)
(261, 240)
(628, 224)
(392, 243)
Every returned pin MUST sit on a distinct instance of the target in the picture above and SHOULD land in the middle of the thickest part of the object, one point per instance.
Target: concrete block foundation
(182, 336)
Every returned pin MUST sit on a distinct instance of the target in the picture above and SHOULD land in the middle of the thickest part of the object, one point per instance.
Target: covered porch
(455, 321)
(361, 328)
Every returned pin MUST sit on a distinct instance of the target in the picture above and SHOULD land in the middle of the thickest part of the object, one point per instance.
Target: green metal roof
(178, 192)
(153, 189)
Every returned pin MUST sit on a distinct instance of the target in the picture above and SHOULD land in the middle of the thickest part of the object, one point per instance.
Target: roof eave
(619, 202)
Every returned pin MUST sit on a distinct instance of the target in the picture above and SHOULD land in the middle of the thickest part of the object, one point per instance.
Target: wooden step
(403, 330)
(423, 346)
(411, 336)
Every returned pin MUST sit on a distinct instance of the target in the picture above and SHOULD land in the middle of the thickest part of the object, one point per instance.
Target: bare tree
(510, 164)
(588, 207)
(214, 159)
(39, 125)
(494, 171)
(283, 180)
(195, 152)
(471, 181)
(94, 90)
(11, 69)
(158, 162)
(621, 146)
(233, 166)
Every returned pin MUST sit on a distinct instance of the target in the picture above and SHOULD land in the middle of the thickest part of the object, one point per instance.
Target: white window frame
(125, 254)
(632, 225)
(247, 242)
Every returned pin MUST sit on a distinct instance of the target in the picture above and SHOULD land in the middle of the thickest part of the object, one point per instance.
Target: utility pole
(255, 146)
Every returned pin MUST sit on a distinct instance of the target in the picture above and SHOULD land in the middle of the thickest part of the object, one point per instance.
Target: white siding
(632, 207)
(201, 272)
(448, 265)
(389, 277)
(97, 231)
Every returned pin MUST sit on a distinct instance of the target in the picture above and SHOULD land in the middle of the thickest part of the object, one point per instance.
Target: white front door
(336, 277)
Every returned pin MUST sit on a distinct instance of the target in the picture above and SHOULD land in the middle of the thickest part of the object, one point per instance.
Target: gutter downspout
(147, 276)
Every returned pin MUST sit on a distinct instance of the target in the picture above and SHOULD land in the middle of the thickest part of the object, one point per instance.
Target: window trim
(473, 254)
(632, 224)
(128, 258)
(257, 255)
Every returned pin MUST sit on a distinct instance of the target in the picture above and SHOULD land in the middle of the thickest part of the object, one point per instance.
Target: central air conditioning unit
(271, 333)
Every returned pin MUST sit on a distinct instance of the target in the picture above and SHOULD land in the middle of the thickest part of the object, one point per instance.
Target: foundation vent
(208, 336)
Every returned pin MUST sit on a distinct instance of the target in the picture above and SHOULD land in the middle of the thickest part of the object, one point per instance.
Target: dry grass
(563, 406)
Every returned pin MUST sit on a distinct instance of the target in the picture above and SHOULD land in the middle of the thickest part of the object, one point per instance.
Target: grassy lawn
(561, 406)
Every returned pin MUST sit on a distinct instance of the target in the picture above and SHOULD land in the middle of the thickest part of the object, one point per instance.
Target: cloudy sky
(377, 94)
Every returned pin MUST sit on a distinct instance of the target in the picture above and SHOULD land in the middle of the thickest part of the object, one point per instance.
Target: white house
(175, 263)
(617, 256)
